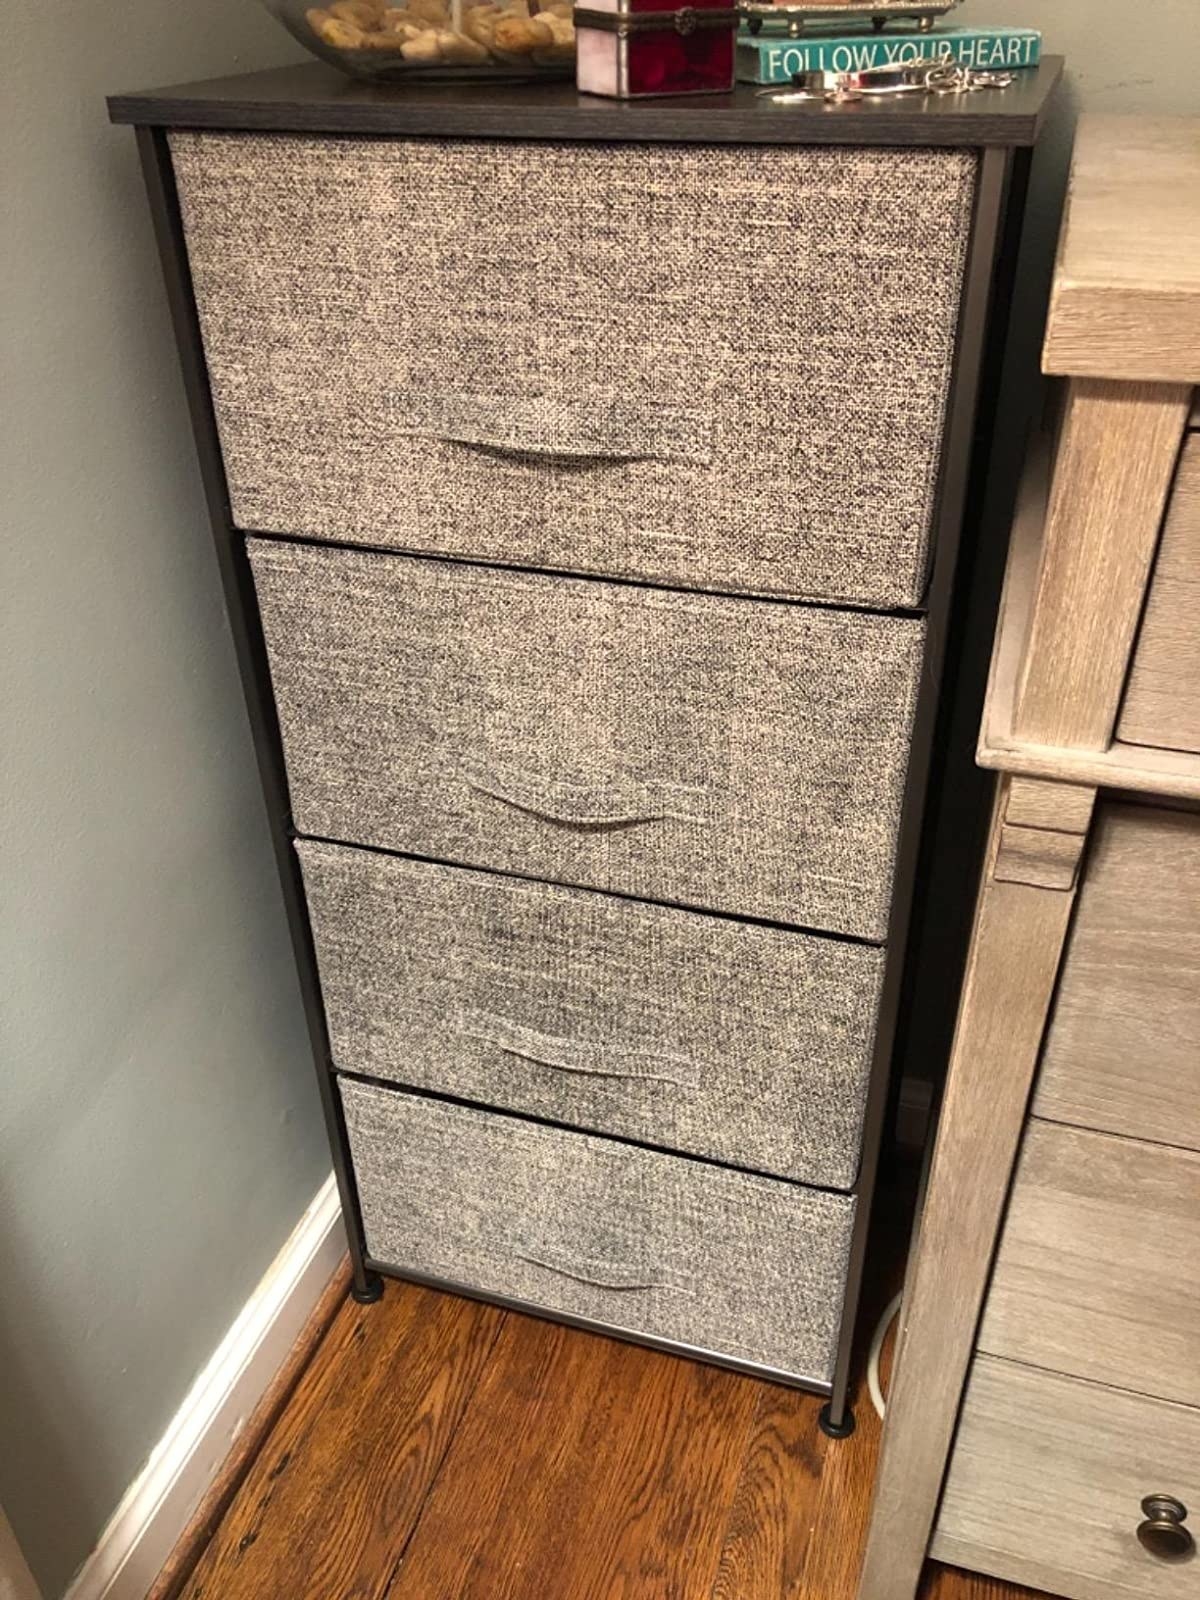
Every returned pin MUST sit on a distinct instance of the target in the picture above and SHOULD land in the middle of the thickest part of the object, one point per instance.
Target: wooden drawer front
(732, 754)
(1097, 1269)
(1162, 698)
(750, 1045)
(556, 355)
(1047, 1478)
(1123, 1049)
(727, 1263)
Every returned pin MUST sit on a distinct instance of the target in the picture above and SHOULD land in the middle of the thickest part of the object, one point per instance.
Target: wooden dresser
(592, 604)
(1044, 1419)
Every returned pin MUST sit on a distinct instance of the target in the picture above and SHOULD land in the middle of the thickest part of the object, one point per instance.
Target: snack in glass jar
(446, 38)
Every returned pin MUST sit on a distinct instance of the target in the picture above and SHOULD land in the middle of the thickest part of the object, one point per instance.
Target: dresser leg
(369, 1291)
(840, 1426)
(1021, 921)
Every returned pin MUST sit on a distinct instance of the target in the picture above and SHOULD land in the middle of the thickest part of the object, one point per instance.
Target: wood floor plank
(842, 1509)
(773, 1519)
(439, 1449)
(332, 1500)
(585, 1469)
(952, 1583)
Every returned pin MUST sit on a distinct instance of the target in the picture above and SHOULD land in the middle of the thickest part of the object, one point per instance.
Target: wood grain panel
(1126, 299)
(1133, 767)
(333, 1497)
(1162, 700)
(1047, 1481)
(644, 1450)
(1039, 856)
(1011, 968)
(1122, 1052)
(1115, 460)
(1061, 806)
(1096, 1270)
(1119, 765)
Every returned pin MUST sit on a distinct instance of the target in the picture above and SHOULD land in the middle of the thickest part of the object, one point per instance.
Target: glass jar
(512, 39)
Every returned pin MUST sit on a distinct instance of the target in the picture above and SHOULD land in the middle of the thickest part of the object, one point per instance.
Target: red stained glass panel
(670, 62)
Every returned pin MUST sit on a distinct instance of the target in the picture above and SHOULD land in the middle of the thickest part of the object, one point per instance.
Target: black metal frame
(250, 647)
(978, 357)
(995, 223)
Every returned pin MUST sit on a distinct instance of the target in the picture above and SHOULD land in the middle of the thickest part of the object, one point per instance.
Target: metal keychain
(929, 75)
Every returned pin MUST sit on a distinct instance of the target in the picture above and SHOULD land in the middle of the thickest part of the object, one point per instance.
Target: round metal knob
(1163, 1533)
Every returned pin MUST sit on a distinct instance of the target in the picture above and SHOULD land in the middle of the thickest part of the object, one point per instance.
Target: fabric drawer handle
(600, 1274)
(588, 427)
(577, 805)
(576, 1055)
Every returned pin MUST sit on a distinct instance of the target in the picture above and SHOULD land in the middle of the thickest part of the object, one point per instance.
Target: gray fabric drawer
(720, 368)
(751, 1045)
(736, 755)
(730, 1264)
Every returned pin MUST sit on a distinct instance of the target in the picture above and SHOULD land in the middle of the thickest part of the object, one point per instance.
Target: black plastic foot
(836, 1430)
(371, 1291)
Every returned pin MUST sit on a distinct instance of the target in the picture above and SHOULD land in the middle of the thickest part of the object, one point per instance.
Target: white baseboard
(16, 1580)
(145, 1527)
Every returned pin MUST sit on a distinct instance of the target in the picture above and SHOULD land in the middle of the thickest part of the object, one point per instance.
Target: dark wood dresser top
(314, 98)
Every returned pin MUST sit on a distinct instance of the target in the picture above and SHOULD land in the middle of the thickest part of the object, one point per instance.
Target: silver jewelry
(929, 75)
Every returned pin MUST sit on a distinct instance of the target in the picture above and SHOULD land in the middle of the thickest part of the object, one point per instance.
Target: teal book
(774, 58)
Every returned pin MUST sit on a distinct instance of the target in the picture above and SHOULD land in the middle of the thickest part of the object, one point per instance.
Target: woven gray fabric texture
(747, 1044)
(736, 755)
(457, 346)
(732, 1264)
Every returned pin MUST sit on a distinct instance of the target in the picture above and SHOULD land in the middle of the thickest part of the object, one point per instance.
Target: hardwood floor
(439, 1449)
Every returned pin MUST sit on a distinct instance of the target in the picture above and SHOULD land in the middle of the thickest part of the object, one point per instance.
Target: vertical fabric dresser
(1043, 1424)
(587, 482)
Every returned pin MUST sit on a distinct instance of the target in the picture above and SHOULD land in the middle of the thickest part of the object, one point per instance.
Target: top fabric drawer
(719, 368)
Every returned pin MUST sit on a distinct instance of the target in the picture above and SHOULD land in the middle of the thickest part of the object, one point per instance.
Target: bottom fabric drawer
(728, 1264)
(1047, 1480)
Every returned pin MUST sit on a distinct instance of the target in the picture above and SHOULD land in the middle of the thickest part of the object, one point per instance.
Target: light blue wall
(159, 1129)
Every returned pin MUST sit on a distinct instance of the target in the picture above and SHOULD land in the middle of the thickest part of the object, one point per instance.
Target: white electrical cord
(877, 1339)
